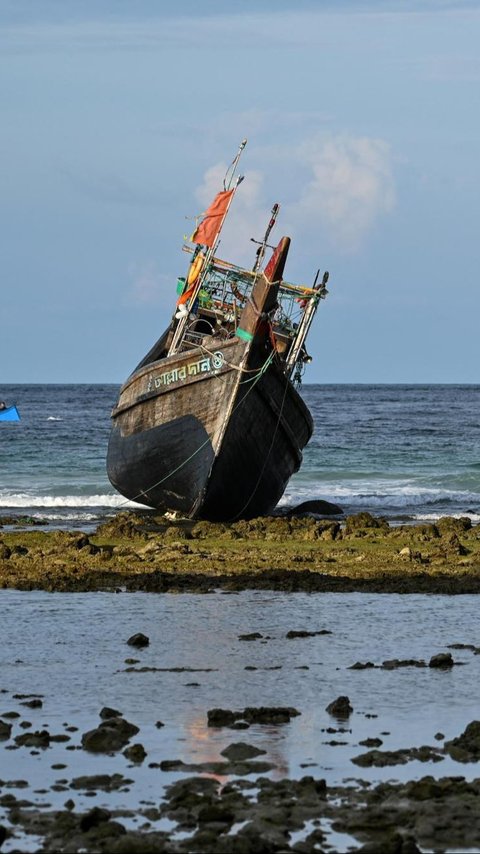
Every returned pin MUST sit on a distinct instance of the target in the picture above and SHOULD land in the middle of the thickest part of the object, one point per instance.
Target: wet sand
(231, 805)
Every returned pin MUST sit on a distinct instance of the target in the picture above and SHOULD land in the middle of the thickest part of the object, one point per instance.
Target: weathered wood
(217, 430)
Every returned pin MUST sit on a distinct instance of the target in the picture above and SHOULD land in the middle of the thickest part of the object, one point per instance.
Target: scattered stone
(93, 818)
(393, 663)
(26, 696)
(240, 751)
(33, 704)
(251, 637)
(105, 782)
(360, 666)
(110, 736)
(5, 730)
(466, 747)
(138, 640)
(136, 753)
(340, 708)
(40, 738)
(442, 661)
(107, 713)
(304, 634)
(383, 758)
(252, 715)
(241, 768)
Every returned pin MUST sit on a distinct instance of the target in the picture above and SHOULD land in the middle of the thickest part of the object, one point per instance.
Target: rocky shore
(148, 552)
(235, 803)
(229, 806)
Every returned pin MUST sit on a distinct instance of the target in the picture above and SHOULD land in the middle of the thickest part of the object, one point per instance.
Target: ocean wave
(385, 496)
(22, 499)
(434, 517)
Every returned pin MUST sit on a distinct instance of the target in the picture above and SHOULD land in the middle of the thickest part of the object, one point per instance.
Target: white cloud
(350, 188)
(336, 186)
(248, 215)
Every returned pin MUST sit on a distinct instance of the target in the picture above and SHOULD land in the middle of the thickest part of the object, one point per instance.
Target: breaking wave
(24, 500)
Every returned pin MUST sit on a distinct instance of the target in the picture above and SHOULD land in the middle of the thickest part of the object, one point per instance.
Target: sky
(119, 118)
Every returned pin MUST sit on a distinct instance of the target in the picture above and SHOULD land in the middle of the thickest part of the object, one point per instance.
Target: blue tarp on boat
(11, 413)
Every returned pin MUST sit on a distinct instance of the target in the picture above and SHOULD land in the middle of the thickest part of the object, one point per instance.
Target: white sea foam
(23, 499)
(433, 517)
(393, 495)
(52, 418)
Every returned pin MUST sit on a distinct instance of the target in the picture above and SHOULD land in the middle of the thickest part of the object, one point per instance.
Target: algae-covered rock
(357, 524)
(202, 530)
(5, 552)
(452, 545)
(465, 747)
(126, 524)
(451, 524)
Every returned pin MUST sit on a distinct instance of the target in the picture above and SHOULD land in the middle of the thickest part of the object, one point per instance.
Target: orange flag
(207, 231)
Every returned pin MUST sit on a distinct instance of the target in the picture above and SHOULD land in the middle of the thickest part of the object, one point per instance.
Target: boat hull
(11, 413)
(218, 444)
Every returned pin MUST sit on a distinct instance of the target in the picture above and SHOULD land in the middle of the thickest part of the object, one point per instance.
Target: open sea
(406, 452)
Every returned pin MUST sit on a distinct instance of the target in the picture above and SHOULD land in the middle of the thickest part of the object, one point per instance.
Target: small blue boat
(9, 413)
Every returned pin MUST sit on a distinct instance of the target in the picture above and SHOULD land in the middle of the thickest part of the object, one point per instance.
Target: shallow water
(71, 648)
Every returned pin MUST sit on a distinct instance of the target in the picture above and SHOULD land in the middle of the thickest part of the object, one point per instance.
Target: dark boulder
(315, 508)
(340, 708)
(138, 640)
(110, 736)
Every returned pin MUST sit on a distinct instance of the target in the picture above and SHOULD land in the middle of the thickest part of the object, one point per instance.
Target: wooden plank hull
(210, 436)
(261, 449)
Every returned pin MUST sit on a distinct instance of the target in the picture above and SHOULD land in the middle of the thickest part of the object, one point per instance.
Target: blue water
(401, 451)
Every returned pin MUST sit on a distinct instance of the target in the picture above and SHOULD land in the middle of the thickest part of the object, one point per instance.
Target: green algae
(149, 552)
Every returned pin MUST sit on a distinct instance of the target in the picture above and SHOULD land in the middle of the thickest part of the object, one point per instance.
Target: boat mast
(263, 244)
(228, 184)
(306, 321)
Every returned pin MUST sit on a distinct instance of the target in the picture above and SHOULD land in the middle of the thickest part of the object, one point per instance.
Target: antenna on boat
(262, 245)
(207, 234)
(319, 292)
(230, 173)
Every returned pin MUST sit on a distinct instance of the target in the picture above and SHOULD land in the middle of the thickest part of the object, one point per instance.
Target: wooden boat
(211, 423)
(8, 413)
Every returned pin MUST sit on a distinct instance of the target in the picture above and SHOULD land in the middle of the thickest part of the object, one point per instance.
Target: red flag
(207, 231)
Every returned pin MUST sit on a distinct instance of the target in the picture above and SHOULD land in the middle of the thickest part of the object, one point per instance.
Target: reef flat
(145, 551)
